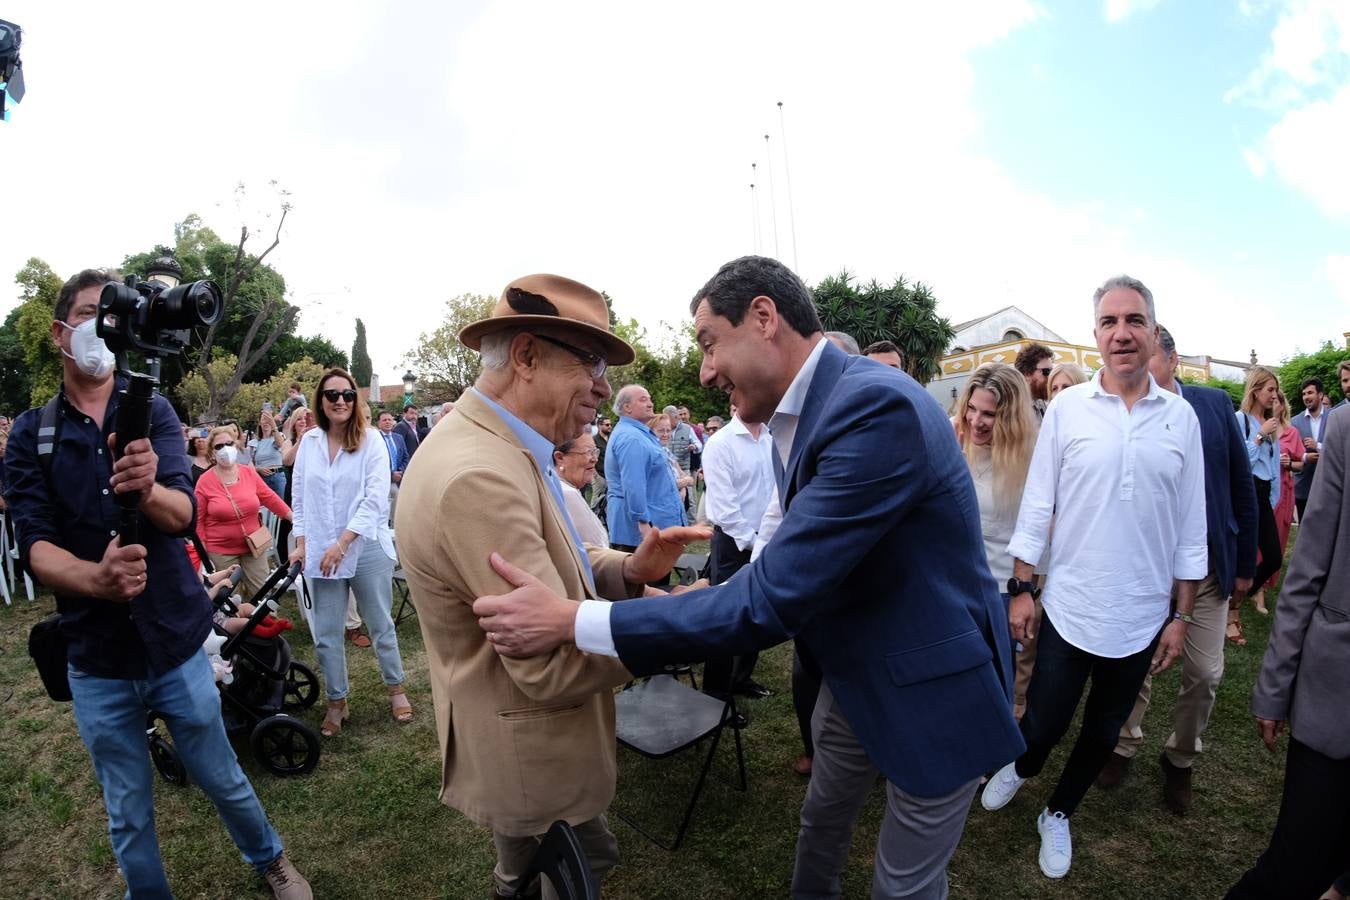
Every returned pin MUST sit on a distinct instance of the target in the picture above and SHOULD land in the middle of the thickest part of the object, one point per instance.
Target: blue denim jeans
(110, 713)
(276, 481)
(373, 585)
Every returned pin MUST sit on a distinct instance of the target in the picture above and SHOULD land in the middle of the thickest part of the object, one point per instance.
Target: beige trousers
(1201, 670)
(256, 570)
(1025, 661)
(514, 854)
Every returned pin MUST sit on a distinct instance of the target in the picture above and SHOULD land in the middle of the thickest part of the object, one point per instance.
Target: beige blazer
(523, 742)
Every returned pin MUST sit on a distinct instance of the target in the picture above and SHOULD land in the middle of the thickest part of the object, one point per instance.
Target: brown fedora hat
(551, 300)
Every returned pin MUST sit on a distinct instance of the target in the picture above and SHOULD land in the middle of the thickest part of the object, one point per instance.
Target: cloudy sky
(1003, 152)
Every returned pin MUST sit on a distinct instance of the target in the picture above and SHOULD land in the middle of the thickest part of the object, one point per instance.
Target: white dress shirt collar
(783, 422)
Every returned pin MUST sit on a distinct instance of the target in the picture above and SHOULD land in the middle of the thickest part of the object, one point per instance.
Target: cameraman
(134, 617)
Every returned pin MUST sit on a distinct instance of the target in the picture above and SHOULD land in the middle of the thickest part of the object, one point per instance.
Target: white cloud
(1120, 10)
(1303, 78)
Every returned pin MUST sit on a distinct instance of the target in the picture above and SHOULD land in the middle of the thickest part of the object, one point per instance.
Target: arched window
(1012, 334)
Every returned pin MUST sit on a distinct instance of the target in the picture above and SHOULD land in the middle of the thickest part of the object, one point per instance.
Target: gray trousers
(918, 834)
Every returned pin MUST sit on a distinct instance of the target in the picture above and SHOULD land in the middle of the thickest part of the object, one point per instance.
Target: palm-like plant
(904, 313)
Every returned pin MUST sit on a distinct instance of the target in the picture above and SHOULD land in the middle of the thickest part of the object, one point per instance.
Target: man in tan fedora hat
(524, 742)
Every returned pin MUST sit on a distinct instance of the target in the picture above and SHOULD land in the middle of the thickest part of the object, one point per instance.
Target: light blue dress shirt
(541, 448)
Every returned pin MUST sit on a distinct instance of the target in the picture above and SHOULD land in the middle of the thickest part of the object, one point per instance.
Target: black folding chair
(405, 608)
(561, 860)
(661, 717)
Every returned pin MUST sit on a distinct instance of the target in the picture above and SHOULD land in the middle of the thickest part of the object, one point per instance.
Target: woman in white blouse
(575, 461)
(340, 495)
(996, 426)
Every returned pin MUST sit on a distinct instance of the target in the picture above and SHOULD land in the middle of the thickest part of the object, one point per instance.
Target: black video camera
(155, 318)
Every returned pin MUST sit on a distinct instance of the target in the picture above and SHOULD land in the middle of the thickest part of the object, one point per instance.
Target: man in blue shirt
(134, 616)
(641, 481)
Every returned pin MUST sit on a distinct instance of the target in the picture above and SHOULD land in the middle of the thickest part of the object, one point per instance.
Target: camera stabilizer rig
(155, 318)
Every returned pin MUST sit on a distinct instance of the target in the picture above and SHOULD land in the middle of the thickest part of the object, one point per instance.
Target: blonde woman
(229, 497)
(1065, 375)
(1260, 426)
(341, 496)
(1291, 461)
(996, 426)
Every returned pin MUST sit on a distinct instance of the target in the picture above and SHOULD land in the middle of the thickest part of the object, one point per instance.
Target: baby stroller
(266, 684)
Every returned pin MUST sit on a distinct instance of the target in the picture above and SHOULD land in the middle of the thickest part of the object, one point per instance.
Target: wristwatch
(1016, 587)
(1185, 617)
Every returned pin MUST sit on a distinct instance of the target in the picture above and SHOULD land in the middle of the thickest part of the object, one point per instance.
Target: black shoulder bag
(46, 644)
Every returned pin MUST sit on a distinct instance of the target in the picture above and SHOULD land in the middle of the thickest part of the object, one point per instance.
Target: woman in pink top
(1291, 461)
(229, 497)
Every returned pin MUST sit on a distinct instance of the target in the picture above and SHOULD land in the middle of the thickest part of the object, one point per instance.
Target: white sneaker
(1002, 787)
(1056, 846)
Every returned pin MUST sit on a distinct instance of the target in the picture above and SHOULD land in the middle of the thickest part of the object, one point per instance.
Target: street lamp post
(409, 381)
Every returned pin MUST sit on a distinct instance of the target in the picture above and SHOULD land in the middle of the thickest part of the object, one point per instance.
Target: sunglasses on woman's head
(347, 396)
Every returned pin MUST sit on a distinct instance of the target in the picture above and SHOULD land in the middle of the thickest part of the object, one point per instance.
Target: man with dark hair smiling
(878, 566)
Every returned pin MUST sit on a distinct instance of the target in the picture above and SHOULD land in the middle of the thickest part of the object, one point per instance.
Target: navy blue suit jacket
(398, 460)
(879, 568)
(1230, 496)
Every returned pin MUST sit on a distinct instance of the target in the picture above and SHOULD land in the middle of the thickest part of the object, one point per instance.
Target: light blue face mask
(91, 354)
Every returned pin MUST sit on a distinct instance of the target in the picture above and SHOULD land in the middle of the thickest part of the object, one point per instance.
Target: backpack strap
(49, 435)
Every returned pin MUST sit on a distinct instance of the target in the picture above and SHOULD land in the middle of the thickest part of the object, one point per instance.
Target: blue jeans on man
(110, 713)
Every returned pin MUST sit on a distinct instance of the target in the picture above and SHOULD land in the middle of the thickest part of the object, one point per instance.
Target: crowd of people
(954, 582)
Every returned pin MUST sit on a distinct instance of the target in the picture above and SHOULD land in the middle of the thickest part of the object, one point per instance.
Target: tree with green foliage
(246, 405)
(904, 313)
(256, 312)
(16, 388)
(446, 368)
(361, 366)
(1321, 364)
(39, 288)
(1233, 389)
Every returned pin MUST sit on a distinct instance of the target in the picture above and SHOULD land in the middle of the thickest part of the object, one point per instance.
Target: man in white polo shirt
(1119, 466)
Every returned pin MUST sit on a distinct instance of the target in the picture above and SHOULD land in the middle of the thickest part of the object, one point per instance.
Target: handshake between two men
(533, 619)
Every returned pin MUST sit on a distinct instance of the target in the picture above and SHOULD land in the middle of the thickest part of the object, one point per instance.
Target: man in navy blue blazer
(1230, 512)
(398, 457)
(878, 566)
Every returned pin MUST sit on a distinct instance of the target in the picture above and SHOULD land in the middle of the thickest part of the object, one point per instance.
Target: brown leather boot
(1114, 772)
(1176, 786)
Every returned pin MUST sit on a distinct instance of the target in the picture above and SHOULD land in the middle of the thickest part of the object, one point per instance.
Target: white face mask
(227, 455)
(91, 355)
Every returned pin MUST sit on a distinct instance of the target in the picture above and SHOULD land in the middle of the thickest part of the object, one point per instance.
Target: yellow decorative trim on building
(967, 361)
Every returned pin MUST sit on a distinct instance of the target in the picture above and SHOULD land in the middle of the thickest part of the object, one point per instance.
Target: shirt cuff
(1026, 549)
(592, 628)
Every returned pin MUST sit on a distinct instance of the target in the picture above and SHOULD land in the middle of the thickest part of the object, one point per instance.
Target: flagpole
(773, 200)
(792, 217)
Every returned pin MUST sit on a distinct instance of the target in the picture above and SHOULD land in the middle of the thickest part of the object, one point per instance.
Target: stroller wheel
(302, 687)
(285, 746)
(166, 760)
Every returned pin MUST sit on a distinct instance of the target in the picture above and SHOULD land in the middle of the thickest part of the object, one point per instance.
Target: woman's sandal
(336, 715)
(403, 711)
(1234, 633)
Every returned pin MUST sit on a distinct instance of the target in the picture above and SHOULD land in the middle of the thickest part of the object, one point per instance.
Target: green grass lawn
(367, 822)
